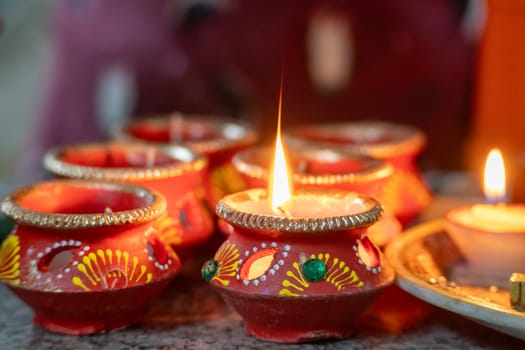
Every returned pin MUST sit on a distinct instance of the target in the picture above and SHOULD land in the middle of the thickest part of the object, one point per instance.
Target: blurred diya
(175, 171)
(325, 169)
(218, 139)
(491, 236)
(404, 192)
(85, 256)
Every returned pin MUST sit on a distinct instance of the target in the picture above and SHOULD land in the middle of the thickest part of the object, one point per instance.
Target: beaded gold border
(405, 138)
(291, 224)
(375, 169)
(155, 207)
(53, 162)
(248, 135)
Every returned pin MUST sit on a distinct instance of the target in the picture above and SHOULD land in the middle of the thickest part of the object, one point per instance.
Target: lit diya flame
(280, 184)
(494, 178)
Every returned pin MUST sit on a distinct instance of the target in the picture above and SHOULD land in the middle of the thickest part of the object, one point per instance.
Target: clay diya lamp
(85, 255)
(301, 276)
(325, 169)
(491, 237)
(216, 138)
(405, 192)
(175, 171)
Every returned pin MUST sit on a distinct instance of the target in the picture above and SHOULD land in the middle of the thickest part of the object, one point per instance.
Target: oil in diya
(298, 266)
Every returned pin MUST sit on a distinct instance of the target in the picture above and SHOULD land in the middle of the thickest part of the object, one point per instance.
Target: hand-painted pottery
(175, 171)
(216, 138)
(325, 168)
(405, 192)
(85, 255)
(297, 279)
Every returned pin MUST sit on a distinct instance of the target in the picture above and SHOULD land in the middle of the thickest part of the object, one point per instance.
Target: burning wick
(284, 212)
(279, 184)
(176, 127)
(150, 157)
(494, 178)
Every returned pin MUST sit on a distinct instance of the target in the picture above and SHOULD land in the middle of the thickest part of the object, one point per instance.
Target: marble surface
(190, 315)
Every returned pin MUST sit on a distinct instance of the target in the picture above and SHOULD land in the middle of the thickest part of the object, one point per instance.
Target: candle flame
(494, 177)
(280, 185)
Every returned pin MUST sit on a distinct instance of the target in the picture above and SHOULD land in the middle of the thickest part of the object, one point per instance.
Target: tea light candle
(491, 236)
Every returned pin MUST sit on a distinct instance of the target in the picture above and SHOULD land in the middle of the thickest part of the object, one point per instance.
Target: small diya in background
(405, 192)
(298, 266)
(175, 171)
(216, 138)
(325, 169)
(491, 237)
(85, 255)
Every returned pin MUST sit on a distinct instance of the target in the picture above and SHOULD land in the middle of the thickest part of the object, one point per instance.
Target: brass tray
(430, 267)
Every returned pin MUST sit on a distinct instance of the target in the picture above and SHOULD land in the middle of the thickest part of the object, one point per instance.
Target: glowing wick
(280, 185)
(494, 178)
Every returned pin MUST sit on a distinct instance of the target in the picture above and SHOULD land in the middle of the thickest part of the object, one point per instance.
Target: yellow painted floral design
(226, 180)
(338, 274)
(167, 228)
(227, 258)
(110, 269)
(10, 260)
(296, 284)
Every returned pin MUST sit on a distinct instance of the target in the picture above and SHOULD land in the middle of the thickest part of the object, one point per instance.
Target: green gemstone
(314, 270)
(209, 269)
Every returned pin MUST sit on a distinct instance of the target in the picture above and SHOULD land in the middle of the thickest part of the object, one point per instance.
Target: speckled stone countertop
(190, 315)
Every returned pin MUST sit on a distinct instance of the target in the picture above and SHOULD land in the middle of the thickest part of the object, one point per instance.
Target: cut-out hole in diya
(157, 250)
(368, 253)
(57, 259)
(257, 264)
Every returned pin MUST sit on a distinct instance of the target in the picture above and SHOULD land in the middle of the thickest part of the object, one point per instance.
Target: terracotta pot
(325, 169)
(297, 279)
(216, 138)
(84, 255)
(175, 171)
(405, 193)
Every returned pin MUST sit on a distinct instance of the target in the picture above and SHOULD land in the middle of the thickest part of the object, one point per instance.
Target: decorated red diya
(324, 168)
(297, 266)
(405, 192)
(304, 274)
(85, 255)
(175, 171)
(216, 138)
